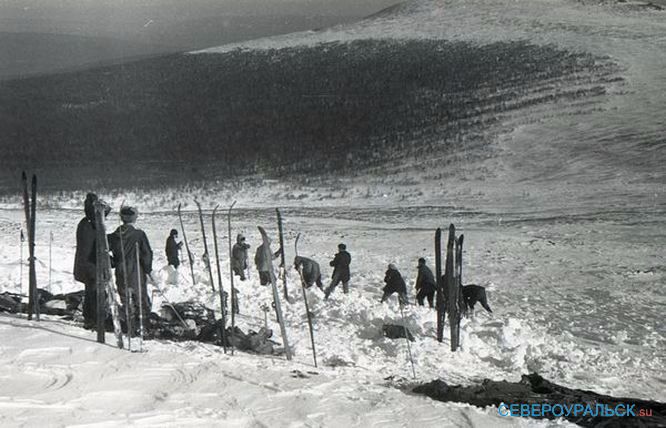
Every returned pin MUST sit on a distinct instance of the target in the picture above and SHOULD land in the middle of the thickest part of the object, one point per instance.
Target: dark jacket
(425, 279)
(340, 265)
(171, 250)
(130, 236)
(310, 268)
(394, 283)
(85, 259)
(239, 255)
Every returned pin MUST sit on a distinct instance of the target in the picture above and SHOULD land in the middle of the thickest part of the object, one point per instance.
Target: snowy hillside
(539, 135)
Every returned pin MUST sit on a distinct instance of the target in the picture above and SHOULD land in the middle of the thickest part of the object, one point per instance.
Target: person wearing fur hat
(425, 284)
(126, 270)
(172, 248)
(394, 284)
(85, 259)
(341, 274)
(239, 256)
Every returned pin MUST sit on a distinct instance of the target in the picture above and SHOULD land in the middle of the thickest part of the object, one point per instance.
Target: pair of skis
(209, 268)
(30, 206)
(223, 325)
(449, 286)
(104, 280)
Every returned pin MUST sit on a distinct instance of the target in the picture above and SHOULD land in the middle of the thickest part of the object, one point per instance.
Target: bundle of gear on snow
(178, 321)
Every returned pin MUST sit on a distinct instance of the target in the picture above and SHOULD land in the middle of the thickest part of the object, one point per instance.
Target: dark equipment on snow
(394, 331)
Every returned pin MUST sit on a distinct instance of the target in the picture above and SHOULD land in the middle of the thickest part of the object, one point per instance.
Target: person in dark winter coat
(126, 237)
(425, 284)
(311, 271)
(340, 264)
(265, 266)
(172, 248)
(239, 256)
(394, 284)
(85, 260)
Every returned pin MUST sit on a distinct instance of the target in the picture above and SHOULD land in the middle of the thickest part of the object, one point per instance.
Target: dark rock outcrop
(534, 389)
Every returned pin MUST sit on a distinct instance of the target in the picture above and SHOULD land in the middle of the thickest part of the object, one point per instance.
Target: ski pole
(21, 264)
(305, 299)
(409, 348)
(128, 294)
(232, 294)
(223, 312)
(139, 286)
(50, 257)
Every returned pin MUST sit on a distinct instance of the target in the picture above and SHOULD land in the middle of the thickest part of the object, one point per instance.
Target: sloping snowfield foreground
(557, 286)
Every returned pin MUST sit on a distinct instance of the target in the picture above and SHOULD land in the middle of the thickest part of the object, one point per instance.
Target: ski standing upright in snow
(139, 282)
(439, 304)
(104, 279)
(452, 290)
(276, 294)
(128, 294)
(232, 293)
(206, 253)
(283, 266)
(305, 299)
(30, 212)
(462, 308)
(220, 288)
(187, 247)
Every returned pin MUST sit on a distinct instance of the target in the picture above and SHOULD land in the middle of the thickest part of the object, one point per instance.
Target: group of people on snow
(132, 258)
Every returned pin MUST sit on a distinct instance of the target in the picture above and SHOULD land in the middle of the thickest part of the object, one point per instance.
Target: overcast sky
(141, 19)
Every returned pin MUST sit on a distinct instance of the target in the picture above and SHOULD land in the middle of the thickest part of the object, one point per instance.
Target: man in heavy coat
(239, 256)
(425, 284)
(172, 247)
(126, 237)
(340, 264)
(265, 266)
(394, 284)
(85, 260)
(311, 271)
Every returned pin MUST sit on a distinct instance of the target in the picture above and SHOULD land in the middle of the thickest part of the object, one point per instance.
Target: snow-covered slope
(575, 298)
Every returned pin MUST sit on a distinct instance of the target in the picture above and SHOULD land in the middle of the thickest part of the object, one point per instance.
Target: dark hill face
(331, 107)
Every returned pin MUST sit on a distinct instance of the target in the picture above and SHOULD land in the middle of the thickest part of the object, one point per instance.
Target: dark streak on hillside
(332, 107)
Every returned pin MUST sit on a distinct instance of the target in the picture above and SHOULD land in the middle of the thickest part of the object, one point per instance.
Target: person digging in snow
(340, 264)
(263, 265)
(425, 284)
(394, 284)
(85, 259)
(239, 256)
(127, 275)
(311, 271)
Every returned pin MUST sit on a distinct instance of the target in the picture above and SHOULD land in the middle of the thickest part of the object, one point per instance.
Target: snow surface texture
(557, 288)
